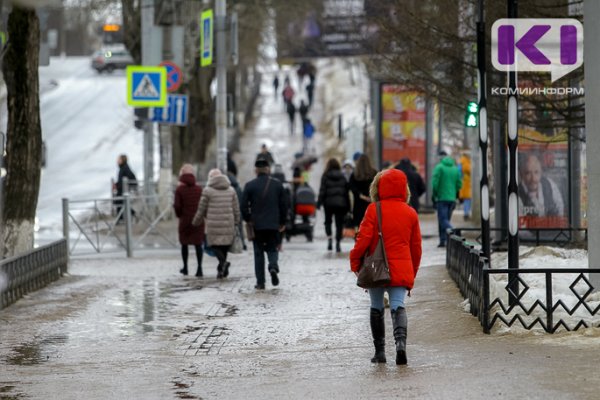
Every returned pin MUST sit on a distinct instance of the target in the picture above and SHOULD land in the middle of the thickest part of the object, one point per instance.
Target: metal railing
(31, 271)
(119, 223)
(494, 302)
(534, 236)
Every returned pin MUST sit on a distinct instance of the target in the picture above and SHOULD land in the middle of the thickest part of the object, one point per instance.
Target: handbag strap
(379, 230)
(264, 193)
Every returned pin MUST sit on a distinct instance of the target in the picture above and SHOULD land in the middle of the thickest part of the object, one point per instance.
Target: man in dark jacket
(415, 182)
(124, 172)
(263, 206)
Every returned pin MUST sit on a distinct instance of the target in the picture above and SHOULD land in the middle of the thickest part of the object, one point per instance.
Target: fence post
(125, 185)
(549, 305)
(485, 320)
(65, 215)
(128, 239)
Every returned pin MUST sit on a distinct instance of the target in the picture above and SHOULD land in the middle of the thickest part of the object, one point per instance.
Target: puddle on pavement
(36, 352)
(5, 393)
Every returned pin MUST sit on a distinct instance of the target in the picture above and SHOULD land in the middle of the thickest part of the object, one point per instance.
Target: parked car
(110, 59)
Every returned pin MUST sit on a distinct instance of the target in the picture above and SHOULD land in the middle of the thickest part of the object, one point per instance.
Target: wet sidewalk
(118, 328)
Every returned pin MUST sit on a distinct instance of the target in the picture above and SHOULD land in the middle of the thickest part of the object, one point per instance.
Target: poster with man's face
(543, 180)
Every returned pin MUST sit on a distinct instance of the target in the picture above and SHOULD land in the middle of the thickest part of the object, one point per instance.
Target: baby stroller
(301, 212)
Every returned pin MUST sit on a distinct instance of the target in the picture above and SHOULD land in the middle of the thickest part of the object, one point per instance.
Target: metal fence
(120, 223)
(32, 271)
(521, 297)
(533, 236)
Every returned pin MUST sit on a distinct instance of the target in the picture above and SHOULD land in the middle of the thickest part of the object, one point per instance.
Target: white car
(110, 59)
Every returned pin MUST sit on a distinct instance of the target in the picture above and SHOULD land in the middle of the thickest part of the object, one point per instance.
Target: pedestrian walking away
(465, 194)
(219, 209)
(276, 86)
(446, 183)
(291, 111)
(124, 172)
(360, 183)
(264, 209)
(265, 154)
(308, 131)
(288, 93)
(402, 242)
(415, 182)
(187, 197)
(303, 110)
(334, 197)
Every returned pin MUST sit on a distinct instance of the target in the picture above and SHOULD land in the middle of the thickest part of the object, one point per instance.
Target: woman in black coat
(334, 197)
(360, 183)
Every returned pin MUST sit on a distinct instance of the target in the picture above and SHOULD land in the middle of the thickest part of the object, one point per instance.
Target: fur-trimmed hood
(391, 183)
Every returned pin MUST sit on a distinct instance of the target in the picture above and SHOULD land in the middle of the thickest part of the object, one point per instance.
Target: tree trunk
(190, 143)
(24, 134)
(132, 28)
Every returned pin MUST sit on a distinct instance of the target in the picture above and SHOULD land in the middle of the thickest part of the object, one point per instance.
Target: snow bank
(546, 257)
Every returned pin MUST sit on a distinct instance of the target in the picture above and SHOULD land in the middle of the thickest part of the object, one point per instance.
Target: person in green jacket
(446, 183)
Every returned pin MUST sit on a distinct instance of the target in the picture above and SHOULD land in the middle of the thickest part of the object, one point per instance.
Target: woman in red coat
(402, 240)
(187, 197)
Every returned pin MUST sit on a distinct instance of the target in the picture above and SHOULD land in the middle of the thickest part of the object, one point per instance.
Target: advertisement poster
(543, 180)
(403, 126)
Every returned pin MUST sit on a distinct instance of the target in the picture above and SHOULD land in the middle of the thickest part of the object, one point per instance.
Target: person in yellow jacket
(464, 195)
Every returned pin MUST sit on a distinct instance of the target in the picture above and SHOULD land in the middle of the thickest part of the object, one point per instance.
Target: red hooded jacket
(400, 228)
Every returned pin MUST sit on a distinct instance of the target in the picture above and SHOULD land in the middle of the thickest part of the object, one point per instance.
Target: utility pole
(220, 27)
(147, 24)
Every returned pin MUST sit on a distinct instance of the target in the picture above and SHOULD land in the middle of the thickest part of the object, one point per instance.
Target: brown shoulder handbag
(374, 271)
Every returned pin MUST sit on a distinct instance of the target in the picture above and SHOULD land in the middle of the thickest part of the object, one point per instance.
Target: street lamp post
(513, 153)
(483, 133)
(220, 27)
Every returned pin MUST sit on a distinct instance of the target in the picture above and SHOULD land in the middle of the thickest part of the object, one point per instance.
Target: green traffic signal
(471, 116)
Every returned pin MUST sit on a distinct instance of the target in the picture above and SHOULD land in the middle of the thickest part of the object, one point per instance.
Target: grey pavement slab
(118, 328)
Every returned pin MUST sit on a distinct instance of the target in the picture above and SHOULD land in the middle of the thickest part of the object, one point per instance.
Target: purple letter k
(527, 44)
(506, 44)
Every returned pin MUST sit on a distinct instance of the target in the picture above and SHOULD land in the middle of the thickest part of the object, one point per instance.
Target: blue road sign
(175, 113)
(147, 86)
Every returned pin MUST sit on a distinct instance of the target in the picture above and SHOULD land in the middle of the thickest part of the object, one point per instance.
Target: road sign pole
(220, 18)
(147, 20)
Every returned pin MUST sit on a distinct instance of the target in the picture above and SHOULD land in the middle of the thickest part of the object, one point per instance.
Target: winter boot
(219, 271)
(329, 244)
(378, 331)
(338, 247)
(400, 323)
(184, 270)
(226, 269)
(199, 272)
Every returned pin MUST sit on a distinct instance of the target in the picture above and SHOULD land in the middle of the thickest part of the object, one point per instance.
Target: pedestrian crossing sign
(146, 86)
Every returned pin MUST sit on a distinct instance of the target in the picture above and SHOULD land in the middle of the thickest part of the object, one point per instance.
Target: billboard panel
(403, 126)
(543, 180)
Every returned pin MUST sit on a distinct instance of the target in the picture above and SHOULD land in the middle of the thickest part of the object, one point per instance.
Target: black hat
(442, 153)
(261, 162)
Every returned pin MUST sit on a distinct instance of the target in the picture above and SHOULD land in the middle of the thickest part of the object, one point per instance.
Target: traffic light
(471, 116)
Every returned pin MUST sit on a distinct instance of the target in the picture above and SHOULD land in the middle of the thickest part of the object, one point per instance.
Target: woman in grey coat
(219, 210)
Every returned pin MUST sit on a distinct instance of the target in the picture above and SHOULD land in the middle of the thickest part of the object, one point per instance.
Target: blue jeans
(265, 241)
(444, 214)
(397, 295)
(467, 206)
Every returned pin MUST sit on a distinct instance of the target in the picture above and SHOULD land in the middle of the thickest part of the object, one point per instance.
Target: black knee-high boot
(400, 323)
(199, 259)
(378, 331)
(184, 256)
